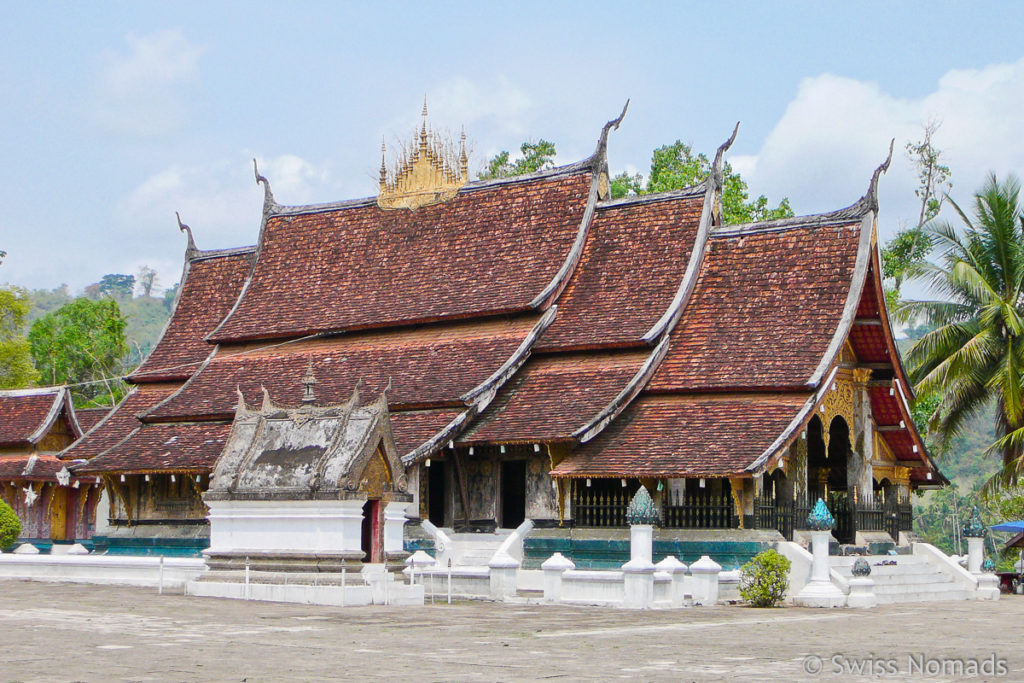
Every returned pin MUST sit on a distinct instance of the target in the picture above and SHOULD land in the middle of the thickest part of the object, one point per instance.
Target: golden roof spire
(424, 173)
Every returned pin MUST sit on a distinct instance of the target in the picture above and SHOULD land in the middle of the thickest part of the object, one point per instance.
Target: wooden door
(59, 514)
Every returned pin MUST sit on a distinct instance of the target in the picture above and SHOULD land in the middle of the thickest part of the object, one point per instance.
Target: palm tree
(975, 355)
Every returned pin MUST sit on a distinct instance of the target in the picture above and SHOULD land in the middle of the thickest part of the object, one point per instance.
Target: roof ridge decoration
(426, 172)
(860, 208)
(269, 204)
(191, 249)
(869, 204)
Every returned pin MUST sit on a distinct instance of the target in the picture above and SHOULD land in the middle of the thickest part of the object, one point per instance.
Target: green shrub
(10, 526)
(765, 579)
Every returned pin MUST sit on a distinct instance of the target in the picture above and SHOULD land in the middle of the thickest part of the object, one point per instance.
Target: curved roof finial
(241, 408)
(724, 147)
(872, 195)
(267, 403)
(717, 179)
(184, 228)
(268, 196)
(602, 142)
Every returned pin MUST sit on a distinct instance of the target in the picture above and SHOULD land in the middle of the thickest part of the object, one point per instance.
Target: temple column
(859, 469)
(796, 471)
(743, 498)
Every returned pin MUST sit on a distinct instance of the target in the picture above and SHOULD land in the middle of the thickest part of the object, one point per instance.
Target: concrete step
(937, 584)
(925, 596)
(901, 560)
(878, 572)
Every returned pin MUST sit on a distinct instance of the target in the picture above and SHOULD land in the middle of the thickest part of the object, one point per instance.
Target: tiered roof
(27, 416)
(210, 284)
(641, 332)
(491, 250)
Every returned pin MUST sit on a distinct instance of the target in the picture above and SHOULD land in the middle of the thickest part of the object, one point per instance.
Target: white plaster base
(302, 526)
(819, 594)
(988, 587)
(862, 593)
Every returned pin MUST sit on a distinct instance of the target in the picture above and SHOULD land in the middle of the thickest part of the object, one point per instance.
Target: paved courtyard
(69, 632)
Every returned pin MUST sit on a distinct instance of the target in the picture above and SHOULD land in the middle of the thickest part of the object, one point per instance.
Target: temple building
(544, 350)
(54, 507)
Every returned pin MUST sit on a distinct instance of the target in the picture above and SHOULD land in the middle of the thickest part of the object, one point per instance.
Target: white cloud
(837, 130)
(144, 92)
(500, 104)
(220, 200)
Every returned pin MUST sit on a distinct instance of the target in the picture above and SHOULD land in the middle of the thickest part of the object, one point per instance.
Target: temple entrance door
(373, 537)
(513, 493)
(59, 514)
(437, 492)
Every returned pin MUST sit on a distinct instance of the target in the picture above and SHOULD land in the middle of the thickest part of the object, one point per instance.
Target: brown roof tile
(632, 265)
(212, 283)
(163, 447)
(764, 311)
(427, 367)
(489, 250)
(89, 417)
(42, 468)
(553, 396)
(119, 423)
(23, 412)
(412, 428)
(683, 436)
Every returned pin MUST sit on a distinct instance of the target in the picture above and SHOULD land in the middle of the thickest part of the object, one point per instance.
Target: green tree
(169, 295)
(117, 286)
(675, 166)
(16, 368)
(534, 156)
(146, 279)
(83, 342)
(975, 354)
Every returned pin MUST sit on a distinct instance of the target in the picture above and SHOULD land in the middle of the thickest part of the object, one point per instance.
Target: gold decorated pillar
(859, 469)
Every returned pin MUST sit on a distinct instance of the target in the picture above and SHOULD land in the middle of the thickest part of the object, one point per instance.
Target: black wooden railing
(594, 507)
(892, 516)
(699, 511)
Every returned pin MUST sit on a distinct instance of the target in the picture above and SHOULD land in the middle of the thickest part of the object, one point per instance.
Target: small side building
(308, 489)
(53, 506)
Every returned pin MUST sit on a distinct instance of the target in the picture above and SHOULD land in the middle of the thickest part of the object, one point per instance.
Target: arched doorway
(838, 455)
(817, 461)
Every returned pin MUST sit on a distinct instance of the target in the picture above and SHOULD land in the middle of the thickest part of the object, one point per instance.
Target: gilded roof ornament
(428, 171)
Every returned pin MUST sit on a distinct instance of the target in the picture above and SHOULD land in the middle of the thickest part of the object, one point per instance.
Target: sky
(115, 115)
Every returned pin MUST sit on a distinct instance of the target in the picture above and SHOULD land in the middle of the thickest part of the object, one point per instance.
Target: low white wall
(336, 596)
(105, 569)
(593, 587)
(467, 582)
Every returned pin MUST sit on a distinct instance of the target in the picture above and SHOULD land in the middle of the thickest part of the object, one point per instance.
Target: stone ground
(70, 632)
